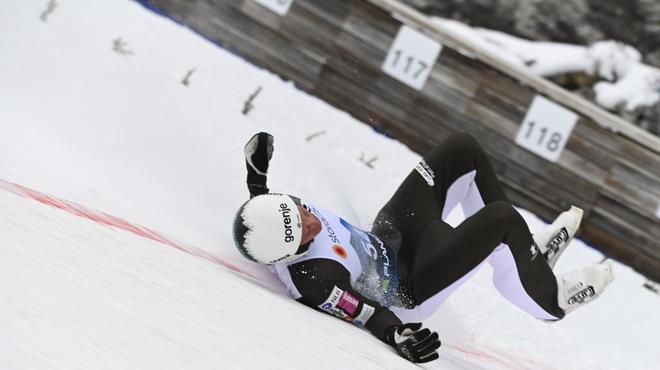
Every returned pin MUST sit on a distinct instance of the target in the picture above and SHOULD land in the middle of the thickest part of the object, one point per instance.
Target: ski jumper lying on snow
(390, 278)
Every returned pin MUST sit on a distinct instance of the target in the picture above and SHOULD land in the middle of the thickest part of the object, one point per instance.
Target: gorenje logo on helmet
(286, 215)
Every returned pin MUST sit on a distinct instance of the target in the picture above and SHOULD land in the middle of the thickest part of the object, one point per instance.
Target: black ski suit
(433, 258)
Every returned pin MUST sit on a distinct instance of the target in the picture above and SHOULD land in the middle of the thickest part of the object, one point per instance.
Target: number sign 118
(546, 128)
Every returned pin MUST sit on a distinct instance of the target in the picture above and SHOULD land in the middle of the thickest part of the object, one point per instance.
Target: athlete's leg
(464, 171)
(456, 171)
(504, 259)
(436, 258)
(446, 256)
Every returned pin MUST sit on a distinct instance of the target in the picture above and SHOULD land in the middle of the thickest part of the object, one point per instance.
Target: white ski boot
(580, 287)
(553, 240)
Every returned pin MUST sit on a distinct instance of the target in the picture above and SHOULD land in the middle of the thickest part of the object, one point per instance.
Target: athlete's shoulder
(318, 269)
(315, 278)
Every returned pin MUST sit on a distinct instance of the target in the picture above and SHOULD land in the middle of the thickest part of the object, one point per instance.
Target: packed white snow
(626, 81)
(92, 110)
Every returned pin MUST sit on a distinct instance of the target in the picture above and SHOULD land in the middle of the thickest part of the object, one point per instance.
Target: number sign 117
(411, 57)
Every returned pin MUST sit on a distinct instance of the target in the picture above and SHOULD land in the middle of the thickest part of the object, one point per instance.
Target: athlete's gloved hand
(258, 152)
(413, 342)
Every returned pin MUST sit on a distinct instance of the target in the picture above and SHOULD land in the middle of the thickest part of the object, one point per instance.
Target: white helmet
(268, 229)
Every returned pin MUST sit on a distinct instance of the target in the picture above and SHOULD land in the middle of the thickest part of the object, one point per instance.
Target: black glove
(413, 343)
(258, 152)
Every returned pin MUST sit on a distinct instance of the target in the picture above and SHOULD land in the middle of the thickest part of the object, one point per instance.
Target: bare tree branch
(248, 103)
(310, 137)
(119, 46)
(186, 79)
(652, 286)
(370, 162)
(50, 8)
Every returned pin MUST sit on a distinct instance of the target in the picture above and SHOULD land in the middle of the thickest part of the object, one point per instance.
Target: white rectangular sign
(411, 57)
(280, 7)
(657, 212)
(546, 128)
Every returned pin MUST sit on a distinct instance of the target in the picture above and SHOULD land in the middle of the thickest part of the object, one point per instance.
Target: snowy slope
(78, 295)
(121, 134)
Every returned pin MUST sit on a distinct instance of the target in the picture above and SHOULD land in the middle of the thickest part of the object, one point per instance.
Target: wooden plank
(492, 118)
(521, 196)
(359, 97)
(257, 13)
(638, 192)
(582, 187)
(333, 12)
(552, 197)
(640, 182)
(372, 24)
(582, 145)
(622, 149)
(461, 64)
(350, 42)
(305, 30)
(501, 103)
(582, 169)
(375, 110)
(640, 158)
(230, 27)
(452, 78)
(648, 223)
(336, 91)
(442, 94)
(499, 84)
(602, 229)
(180, 10)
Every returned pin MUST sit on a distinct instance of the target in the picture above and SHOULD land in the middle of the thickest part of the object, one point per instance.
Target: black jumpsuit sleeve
(325, 286)
(258, 152)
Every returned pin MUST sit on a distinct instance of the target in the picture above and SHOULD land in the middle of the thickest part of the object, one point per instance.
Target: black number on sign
(543, 130)
(410, 61)
(531, 128)
(555, 139)
(422, 67)
(397, 54)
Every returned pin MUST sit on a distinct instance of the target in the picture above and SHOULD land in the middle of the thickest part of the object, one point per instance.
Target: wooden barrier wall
(336, 50)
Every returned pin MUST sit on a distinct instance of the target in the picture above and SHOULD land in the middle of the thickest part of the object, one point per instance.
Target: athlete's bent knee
(463, 142)
(501, 212)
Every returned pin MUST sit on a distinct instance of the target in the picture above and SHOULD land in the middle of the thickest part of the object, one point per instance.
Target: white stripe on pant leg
(507, 281)
(431, 305)
(457, 192)
(472, 202)
(505, 273)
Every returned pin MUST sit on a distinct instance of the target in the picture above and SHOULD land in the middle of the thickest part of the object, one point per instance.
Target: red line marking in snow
(482, 355)
(495, 359)
(113, 221)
